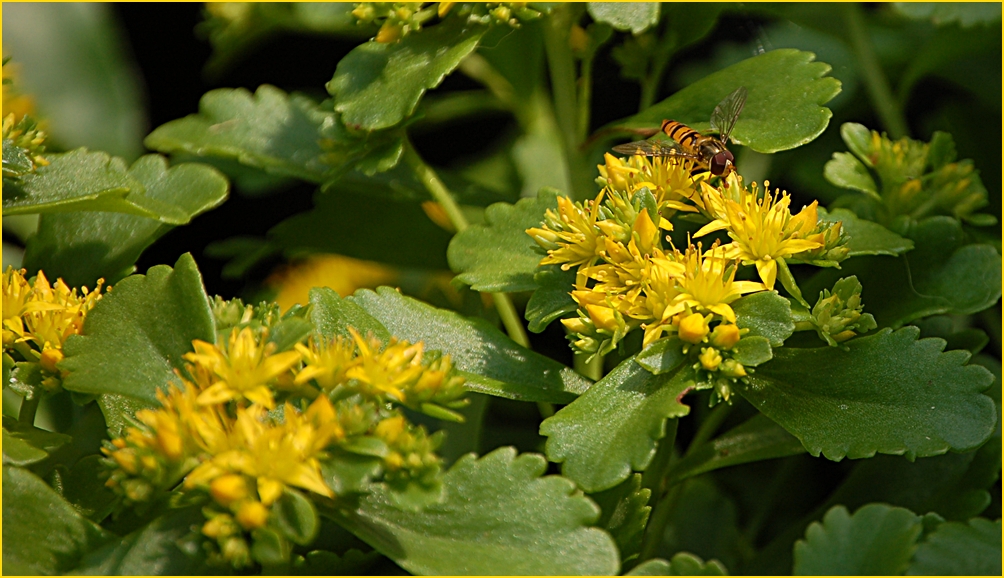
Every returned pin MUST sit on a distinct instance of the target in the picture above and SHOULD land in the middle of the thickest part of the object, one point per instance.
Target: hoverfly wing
(653, 148)
(725, 115)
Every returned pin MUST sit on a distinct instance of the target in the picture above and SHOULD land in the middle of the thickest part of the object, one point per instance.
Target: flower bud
(725, 336)
(694, 327)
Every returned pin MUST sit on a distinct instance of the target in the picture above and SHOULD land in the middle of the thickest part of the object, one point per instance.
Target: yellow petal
(768, 272)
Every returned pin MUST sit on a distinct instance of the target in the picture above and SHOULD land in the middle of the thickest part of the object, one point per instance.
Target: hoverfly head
(722, 163)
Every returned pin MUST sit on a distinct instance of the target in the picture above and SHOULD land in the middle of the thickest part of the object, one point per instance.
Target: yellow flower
(46, 314)
(670, 179)
(244, 370)
(764, 230)
(705, 282)
(326, 364)
(571, 236)
(343, 274)
(387, 372)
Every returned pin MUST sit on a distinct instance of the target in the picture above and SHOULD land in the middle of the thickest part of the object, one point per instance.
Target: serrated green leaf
(42, 533)
(964, 13)
(866, 237)
(751, 351)
(846, 171)
(85, 181)
(491, 362)
(662, 356)
(332, 316)
(682, 564)
(876, 540)
(82, 247)
(765, 314)
(135, 336)
(613, 428)
(634, 16)
(378, 85)
(940, 275)
(553, 297)
(499, 256)
(625, 512)
(887, 393)
(756, 439)
(783, 110)
(493, 508)
(26, 444)
(972, 549)
(296, 517)
(390, 231)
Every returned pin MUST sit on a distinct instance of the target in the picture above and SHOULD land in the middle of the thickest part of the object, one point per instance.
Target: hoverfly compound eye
(721, 162)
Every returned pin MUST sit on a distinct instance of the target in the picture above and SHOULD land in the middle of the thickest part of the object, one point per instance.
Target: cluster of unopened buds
(398, 19)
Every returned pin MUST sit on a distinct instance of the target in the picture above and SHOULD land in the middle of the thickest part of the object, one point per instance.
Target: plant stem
(585, 96)
(660, 58)
(29, 405)
(655, 473)
(657, 523)
(878, 86)
(709, 426)
(591, 367)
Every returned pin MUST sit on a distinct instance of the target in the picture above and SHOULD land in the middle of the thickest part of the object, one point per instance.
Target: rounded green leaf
(783, 109)
(846, 171)
(957, 549)
(499, 256)
(625, 512)
(378, 85)
(751, 351)
(295, 516)
(888, 393)
(489, 361)
(82, 247)
(682, 564)
(624, 16)
(25, 444)
(866, 237)
(964, 13)
(662, 356)
(613, 428)
(135, 336)
(765, 314)
(876, 540)
(332, 316)
(42, 533)
(498, 515)
(553, 297)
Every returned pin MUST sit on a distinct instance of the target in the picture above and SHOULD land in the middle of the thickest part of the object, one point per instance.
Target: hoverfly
(709, 151)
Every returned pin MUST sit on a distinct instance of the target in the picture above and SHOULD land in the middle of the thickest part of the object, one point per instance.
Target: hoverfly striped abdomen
(680, 132)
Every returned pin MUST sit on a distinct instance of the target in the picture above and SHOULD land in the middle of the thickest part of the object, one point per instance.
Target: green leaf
(846, 171)
(288, 332)
(634, 16)
(783, 110)
(765, 314)
(958, 549)
(940, 275)
(613, 428)
(491, 362)
(83, 486)
(268, 130)
(499, 256)
(323, 563)
(964, 13)
(498, 515)
(26, 444)
(756, 439)
(625, 512)
(295, 516)
(164, 547)
(135, 336)
(876, 540)
(332, 316)
(887, 393)
(42, 533)
(348, 473)
(553, 297)
(81, 247)
(662, 356)
(378, 85)
(752, 351)
(117, 409)
(84, 181)
(866, 237)
(682, 564)
(703, 522)
(389, 231)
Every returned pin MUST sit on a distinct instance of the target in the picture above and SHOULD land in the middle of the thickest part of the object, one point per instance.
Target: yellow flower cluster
(627, 278)
(222, 433)
(398, 19)
(38, 317)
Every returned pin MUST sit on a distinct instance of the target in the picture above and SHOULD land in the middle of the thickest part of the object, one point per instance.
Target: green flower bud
(838, 315)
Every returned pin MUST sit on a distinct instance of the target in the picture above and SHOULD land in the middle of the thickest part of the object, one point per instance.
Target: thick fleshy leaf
(491, 362)
(296, 517)
(85, 181)
(624, 16)
(498, 516)
(117, 409)
(867, 237)
(84, 487)
(662, 356)
(876, 540)
(964, 13)
(164, 547)
(625, 512)
(613, 428)
(332, 316)
(786, 91)
(135, 336)
(20, 452)
(756, 439)
(26, 444)
(752, 350)
(499, 255)
(552, 299)
(941, 274)
(957, 549)
(888, 393)
(82, 247)
(42, 533)
(389, 231)
(846, 171)
(378, 85)
(682, 564)
(765, 314)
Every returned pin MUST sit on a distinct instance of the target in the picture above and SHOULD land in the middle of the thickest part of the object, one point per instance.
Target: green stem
(29, 405)
(709, 426)
(657, 523)
(655, 473)
(788, 281)
(650, 84)
(585, 96)
(588, 366)
(875, 79)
